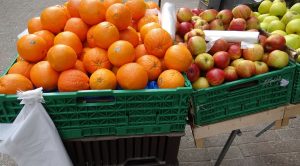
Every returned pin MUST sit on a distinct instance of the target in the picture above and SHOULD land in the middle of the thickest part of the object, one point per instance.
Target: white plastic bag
(32, 139)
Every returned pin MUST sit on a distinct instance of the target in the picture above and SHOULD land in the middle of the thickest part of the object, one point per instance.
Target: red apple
(261, 67)
(254, 54)
(196, 45)
(215, 76)
(236, 62)
(184, 27)
(265, 57)
(200, 83)
(237, 24)
(209, 14)
(230, 73)
(275, 42)
(226, 26)
(192, 33)
(241, 11)
(245, 69)
(234, 51)
(225, 15)
(184, 14)
(221, 59)
(193, 72)
(201, 24)
(219, 45)
(262, 40)
(216, 24)
(197, 11)
(204, 61)
(252, 23)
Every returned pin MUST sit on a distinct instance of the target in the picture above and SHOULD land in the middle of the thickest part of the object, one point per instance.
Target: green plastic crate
(110, 112)
(296, 87)
(242, 97)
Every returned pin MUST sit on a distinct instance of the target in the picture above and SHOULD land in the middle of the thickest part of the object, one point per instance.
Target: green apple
(296, 8)
(263, 26)
(269, 19)
(278, 9)
(264, 6)
(293, 27)
(262, 17)
(276, 25)
(278, 59)
(292, 41)
(279, 32)
(282, 1)
(289, 15)
(200, 83)
(256, 14)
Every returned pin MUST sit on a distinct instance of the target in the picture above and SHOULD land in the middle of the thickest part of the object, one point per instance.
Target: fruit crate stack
(231, 81)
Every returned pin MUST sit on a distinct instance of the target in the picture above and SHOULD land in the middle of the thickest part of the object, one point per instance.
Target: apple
(200, 83)
(262, 40)
(225, 15)
(296, 8)
(289, 15)
(234, 51)
(269, 19)
(278, 8)
(230, 73)
(215, 76)
(293, 27)
(292, 41)
(193, 72)
(236, 62)
(262, 17)
(178, 39)
(279, 32)
(196, 11)
(275, 42)
(221, 59)
(252, 23)
(184, 28)
(276, 25)
(245, 68)
(196, 45)
(256, 14)
(254, 54)
(265, 57)
(194, 19)
(278, 59)
(219, 45)
(216, 24)
(263, 26)
(237, 24)
(194, 32)
(209, 14)
(184, 14)
(264, 6)
(204, 61)
(260, 67)
(241, 11)
(201, 24)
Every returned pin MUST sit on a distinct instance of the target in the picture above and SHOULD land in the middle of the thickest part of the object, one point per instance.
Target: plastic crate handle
(95, 98)
(243, 85)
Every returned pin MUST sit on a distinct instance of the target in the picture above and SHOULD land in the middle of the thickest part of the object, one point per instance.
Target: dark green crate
(296, 88)
(110, 112)
(242, 97)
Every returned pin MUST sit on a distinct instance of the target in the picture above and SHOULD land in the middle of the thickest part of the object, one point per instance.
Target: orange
(147, 27)
(119, 15)
(157, 41)
(77, 26)
(103, 79)
(138, 7)
(140, 50)
(130, 35)
(61, 57)
(178, 57)
(104, 34)
(90, 37)
(132, 76)
(134, 24)
(152, 65)
(163, 66)
(54, 18)
(92, 11)
(170, 79)
(47, 36)
(147, 19)
(19, 58)
(12, 83)
(73, 80)
(21, 67)
(120, 53)
(43, 75)
(96, 58)
(152, 5)
(108, 3)
(84, 50)
(32, 48)
(73, 7)
(79, 66)
(115, 69)
(34, 24)
(69, 39)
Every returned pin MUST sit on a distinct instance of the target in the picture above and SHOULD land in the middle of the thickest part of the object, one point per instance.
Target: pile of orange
(92, 44)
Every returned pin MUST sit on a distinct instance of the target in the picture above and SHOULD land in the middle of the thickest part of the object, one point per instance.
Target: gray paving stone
(289, 133)
(193, 155)
(233, 153)
(249, 137)
(217, 141)
(206, 163)
(295, 123)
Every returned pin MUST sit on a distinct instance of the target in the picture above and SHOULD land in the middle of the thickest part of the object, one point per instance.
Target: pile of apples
(276, 18)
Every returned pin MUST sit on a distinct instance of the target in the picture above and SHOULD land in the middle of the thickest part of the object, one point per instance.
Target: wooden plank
(278, 124)
(292, 110)
(238, 123)
(199, 142)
